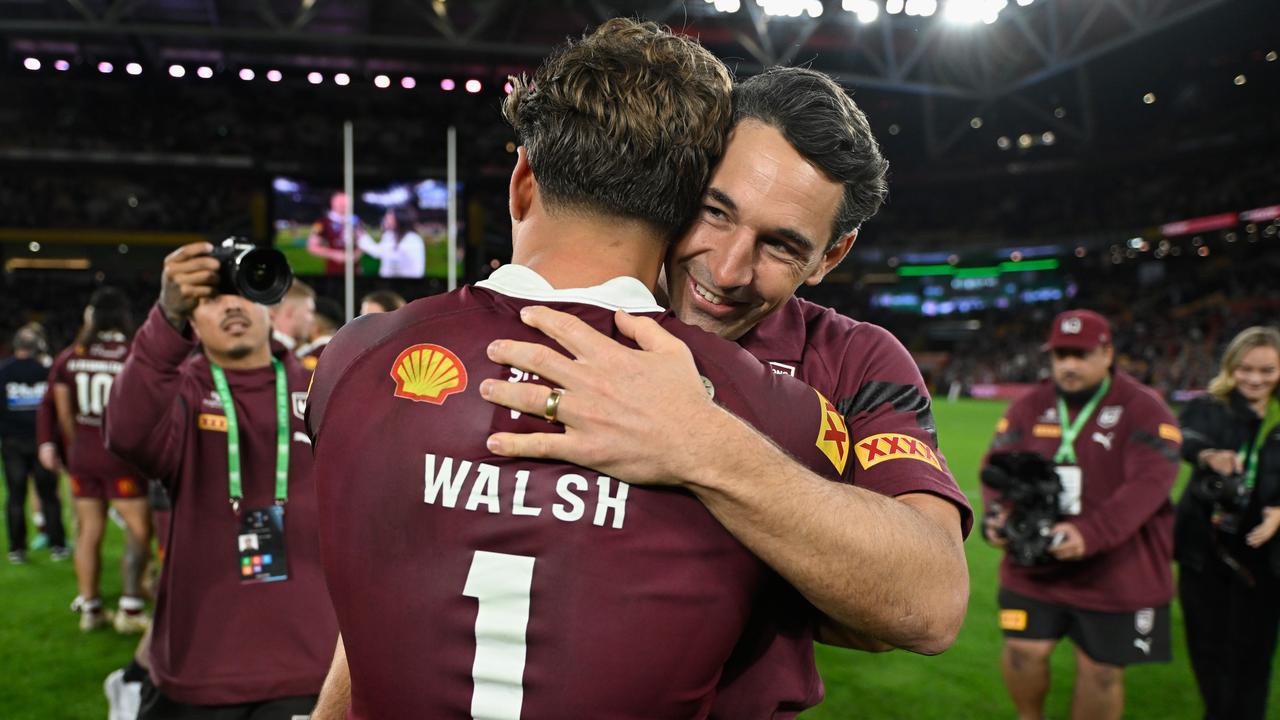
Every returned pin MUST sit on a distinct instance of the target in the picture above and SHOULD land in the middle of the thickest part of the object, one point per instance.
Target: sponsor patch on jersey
(1003, 425)
(782, 368)
(1046, 430)
(1109, 416)
(1015, 620)
(1170, 433)
(428, 373)
(208, 421)
(833, 436)
(893, 446)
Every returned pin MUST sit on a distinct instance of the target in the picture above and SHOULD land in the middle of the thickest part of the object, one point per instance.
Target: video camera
(1229, 495)
(260, 274)
(1029, 488)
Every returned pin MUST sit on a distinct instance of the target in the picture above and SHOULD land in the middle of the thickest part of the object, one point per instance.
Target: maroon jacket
(88, 373)
(460, 577)
(217, 641)
(1128, 455)
(875, 384)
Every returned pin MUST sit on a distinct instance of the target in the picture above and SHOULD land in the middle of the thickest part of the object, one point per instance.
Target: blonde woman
(1224, 537)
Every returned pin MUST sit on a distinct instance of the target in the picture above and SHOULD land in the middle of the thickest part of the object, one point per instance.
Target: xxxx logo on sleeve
(428, 373)
(833, 436)
(893, 446)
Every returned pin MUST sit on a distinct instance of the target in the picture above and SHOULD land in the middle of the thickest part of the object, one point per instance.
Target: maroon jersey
(476, 585)
(89, 371)
(329, 228)
(216, 640)
(877, 387)
(1128, 458)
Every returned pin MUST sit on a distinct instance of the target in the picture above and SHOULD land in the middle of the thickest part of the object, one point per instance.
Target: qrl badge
(1144, 621)
(428, 373)
(833, 436)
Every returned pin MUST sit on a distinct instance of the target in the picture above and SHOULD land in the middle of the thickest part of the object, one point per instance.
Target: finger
(571, 332)
(189, 250)
(648, 334)
(532, 445)
(198, 264)
(538, 359)
(200, 277)
(528, 398)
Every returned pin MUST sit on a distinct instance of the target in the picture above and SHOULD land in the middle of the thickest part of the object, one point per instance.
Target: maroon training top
(877, 387)
(216, 640)
(1128, 456)
(472, 585)
(88, 372)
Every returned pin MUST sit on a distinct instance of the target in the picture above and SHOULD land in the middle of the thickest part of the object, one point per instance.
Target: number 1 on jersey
(502, 584)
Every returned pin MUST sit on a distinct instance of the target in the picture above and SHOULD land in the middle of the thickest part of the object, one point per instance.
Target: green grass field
(51, 670)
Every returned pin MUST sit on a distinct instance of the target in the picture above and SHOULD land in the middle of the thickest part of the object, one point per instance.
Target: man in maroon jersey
(326, 239)
(801, 172)
(243, 626)
(500, 588)
(82, 379)
(1115, 444)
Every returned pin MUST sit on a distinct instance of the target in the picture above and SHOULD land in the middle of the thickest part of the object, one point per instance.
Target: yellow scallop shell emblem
(428, 373)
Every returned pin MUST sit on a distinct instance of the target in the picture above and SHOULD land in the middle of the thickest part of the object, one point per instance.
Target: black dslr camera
(260, 274)
(1229, 495)
(1029, 488)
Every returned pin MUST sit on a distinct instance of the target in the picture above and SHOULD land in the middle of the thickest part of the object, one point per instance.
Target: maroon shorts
(88, 487)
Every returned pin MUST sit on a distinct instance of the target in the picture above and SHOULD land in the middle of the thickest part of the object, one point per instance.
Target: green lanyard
(233, 435)
(1250, 454)
(1067, 451)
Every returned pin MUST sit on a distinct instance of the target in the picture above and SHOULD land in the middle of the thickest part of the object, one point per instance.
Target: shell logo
(428, 373)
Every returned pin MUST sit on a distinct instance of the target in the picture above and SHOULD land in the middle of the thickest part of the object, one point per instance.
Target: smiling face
(231, 326)
(762, 232)
(1258, 373)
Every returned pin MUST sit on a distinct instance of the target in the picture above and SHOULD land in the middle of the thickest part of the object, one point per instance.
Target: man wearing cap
(1109, 581)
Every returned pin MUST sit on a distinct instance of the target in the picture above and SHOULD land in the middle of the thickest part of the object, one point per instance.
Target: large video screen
(939, 290)
(399, 228)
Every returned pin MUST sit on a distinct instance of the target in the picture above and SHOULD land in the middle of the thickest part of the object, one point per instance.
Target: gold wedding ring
(553, 405)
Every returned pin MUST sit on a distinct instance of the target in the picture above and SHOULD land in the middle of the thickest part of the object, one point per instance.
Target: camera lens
(263, 275)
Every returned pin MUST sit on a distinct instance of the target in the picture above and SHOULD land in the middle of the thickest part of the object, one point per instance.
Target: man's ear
(523, 186)
(832, 257)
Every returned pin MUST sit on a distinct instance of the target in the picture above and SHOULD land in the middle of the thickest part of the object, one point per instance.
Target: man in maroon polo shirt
(243, 626)
(1115, 444)
(883, 560)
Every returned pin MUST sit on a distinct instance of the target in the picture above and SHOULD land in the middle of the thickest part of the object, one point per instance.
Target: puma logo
(1143, 644)
(1103, 440)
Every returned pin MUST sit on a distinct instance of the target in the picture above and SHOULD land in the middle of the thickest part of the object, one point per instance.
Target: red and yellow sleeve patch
(1046, 430)
(833, 435)
(1170, 433)
(1003, 425)
(894, 446)
(207, 421)
(1015, 620)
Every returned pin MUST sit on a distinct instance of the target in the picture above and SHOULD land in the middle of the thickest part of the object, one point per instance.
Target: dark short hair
(825, 126)
(626, 122)
(328, 313)
(111, 312)
(386, 299)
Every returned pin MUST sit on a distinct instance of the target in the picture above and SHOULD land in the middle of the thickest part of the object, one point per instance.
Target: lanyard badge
(1066, 454)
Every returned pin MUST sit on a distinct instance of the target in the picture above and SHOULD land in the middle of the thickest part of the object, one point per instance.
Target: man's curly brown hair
(628, 122)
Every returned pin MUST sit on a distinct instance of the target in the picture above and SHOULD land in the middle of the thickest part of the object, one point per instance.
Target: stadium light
(1025, 3)
(921, 8)
(408, 83)
(105, 67)
(382, 81)
(1025, 141)
(31, 64)
(133, 69)
(177, 71)
(1048, 138)
(342, 79)
(473, 86)
(971, 12)
(448, 84)
(1149, 99)
(1240, 80)
(274, 76)
(791, 8)
(726, 6)
(866, 10)
(315, 78)
(1059, 112)
(976, 123)
(1004, 143)
(205, 72)
(33, 246)
(61, 65)
(1271, 56)
(894, 129)
(246, 74)
(894, 7)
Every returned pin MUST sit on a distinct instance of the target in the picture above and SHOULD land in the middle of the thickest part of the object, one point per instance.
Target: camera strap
(235, 490)
(1250, 454)
(1066, 454)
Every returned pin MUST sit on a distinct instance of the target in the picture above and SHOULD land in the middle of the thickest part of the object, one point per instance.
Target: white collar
(621, 293)
(288, 342)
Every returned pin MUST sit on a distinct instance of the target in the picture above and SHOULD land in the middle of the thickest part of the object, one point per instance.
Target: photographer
(1224, 537)
(1104, 578)
(238, 632)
